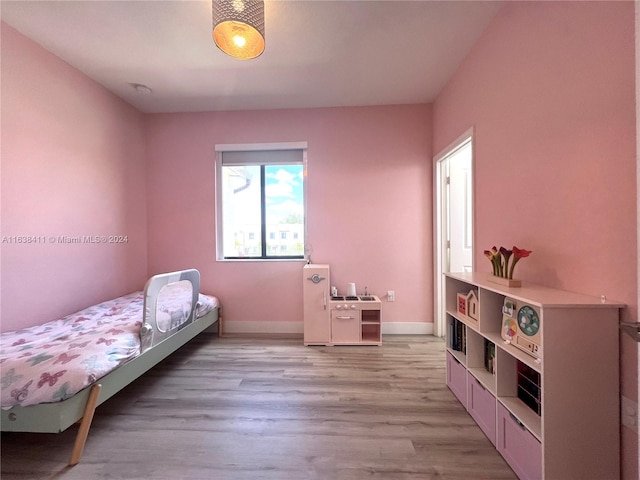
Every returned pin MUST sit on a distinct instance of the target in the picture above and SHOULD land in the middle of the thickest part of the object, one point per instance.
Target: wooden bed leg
(220, 322)
(85, 424)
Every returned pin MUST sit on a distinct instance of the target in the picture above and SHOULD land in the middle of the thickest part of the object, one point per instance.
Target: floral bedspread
(54, 361)
(51, 362)
(206, 303)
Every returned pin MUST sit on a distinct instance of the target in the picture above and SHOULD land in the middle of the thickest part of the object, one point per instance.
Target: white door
(453, 228)
(460, 210)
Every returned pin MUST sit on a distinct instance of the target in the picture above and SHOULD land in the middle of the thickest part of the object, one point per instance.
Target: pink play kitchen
(331, 318)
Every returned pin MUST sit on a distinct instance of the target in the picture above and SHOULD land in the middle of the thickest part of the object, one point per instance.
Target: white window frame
(254, 147)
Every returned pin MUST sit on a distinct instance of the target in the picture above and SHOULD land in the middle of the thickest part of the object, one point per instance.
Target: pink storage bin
(482, 407)
(518, 446)
(457, 378)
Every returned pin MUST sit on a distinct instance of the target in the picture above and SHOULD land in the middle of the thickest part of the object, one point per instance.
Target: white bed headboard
(169, 305)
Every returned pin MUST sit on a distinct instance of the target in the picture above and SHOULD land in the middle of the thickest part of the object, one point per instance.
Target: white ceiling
(318, 53)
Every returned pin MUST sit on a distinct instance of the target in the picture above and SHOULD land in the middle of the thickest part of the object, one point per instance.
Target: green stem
(513, 265)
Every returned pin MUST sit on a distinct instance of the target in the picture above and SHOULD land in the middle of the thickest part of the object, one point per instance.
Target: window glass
(262, 207)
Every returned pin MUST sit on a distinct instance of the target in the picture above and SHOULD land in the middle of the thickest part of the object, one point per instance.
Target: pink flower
(517, 255)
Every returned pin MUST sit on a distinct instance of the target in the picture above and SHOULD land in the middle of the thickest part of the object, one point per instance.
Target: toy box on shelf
(468, 306)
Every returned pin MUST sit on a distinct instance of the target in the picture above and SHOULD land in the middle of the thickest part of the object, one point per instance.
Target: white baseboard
(263, 327)
(389, 328)
(407, 328)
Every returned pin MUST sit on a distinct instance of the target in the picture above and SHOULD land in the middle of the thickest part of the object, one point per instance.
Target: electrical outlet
(629, 413)
(391, 296)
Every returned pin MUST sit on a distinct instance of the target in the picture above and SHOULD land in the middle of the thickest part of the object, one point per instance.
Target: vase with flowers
(502, 270)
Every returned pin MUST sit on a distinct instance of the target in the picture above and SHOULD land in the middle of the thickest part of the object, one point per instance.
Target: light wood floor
(240, 408)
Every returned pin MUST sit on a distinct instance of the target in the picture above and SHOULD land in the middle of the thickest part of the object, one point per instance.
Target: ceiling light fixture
(238, 27)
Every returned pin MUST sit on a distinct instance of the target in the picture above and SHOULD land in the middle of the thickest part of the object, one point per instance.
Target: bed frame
(57, 417)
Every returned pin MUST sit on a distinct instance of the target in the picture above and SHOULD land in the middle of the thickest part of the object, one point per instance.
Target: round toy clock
(528, 321)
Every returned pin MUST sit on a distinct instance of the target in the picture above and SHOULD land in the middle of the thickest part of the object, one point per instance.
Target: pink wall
(73, 163)
(549, 89)
(369, 205)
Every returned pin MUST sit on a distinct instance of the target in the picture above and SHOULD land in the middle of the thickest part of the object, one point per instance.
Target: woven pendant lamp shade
(238, 27)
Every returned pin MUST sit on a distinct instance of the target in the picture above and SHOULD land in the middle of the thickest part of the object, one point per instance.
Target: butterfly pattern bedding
(51, 362)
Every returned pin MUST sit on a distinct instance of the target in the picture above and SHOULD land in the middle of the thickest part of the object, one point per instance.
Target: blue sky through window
(284, 192)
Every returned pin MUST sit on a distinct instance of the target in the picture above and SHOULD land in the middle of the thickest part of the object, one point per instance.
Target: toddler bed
(55, 374)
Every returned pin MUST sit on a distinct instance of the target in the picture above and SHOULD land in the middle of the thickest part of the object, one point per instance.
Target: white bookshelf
(569, 427)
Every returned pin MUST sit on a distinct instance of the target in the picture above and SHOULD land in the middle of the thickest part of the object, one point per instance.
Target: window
(260, 194)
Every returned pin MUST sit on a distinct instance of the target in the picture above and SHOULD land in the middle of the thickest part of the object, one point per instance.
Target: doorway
(453, 229)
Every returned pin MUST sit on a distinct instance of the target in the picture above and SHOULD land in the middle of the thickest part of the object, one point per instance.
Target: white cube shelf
(552, 417)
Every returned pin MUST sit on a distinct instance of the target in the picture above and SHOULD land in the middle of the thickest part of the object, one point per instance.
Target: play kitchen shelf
(337, 320)
(537, 369)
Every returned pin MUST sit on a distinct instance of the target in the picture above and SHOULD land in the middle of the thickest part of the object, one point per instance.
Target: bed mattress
(52, 362)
